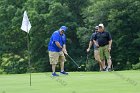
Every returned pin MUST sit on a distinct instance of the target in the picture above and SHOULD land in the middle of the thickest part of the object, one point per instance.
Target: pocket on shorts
(53, 56)
(62, 57)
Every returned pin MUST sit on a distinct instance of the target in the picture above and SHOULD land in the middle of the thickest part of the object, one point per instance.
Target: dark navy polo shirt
(102, 38)
(91, 39)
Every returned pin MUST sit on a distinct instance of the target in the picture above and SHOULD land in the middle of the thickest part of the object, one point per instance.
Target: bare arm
(95, 43)
(109, 45)
(64, 49)
(58, 44)
(89, 46)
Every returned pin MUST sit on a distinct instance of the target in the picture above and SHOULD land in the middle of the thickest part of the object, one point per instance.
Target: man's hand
(109, 49)
(64, 51)
(96, 44)
(88, 50)
(109, 46)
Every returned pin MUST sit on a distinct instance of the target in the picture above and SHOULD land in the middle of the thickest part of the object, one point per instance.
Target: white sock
(108, 67)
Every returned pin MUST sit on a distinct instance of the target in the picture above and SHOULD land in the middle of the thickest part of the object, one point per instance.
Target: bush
(136, 66)
(12, 63)
(1, 71)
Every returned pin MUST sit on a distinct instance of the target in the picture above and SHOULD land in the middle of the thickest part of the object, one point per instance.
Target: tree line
(120, 17)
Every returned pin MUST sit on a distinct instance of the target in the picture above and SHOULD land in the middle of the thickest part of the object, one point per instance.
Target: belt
(103, 45)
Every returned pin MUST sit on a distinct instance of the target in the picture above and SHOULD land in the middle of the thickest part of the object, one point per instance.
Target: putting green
(75, 82)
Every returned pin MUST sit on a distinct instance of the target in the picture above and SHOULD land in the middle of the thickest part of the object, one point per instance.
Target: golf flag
(26, 25)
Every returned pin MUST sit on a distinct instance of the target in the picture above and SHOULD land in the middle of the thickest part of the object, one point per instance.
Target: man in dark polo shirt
(96, 52)
(103, 41)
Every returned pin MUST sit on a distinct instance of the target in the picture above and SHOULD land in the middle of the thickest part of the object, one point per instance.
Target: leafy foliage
(120, 17)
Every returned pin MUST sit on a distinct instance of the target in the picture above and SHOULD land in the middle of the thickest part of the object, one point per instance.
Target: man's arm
(89, 46)
(90, 42)
(58, 44)
(94, 40)
(56, 39)
(64, 49)
(96, 44)
(110, 44)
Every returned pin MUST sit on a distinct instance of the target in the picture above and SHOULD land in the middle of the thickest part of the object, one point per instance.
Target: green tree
(120, 17)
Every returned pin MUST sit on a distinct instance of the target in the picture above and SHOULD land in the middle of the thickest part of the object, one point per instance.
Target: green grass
(75, 82)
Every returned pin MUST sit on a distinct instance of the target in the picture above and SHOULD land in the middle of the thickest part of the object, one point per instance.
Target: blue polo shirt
(56, 36)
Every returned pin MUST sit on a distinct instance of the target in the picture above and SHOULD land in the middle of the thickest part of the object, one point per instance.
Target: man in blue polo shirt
(57, 49)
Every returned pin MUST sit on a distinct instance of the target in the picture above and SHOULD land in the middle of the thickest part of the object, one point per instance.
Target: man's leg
(62, 61)
(97, 58)
(103, 63)
(53, 56)
(109, 62)
(100, 64)
(62, 69)
(53, 68)
(108, 57)
(62, 66)
(101, 59)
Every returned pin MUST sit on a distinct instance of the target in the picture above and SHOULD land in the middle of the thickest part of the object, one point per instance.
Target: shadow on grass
(130, 81)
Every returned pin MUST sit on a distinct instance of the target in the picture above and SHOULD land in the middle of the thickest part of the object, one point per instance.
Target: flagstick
(26, 26)
(29, 62)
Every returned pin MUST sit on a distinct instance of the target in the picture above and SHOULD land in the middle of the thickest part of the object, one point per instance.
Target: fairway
(75, 82)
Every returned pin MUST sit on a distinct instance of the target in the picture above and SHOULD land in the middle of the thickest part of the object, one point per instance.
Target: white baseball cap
(101, 25)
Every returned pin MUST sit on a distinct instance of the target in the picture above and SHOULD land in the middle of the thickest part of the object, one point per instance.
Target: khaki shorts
(56, 57)
(96, 54)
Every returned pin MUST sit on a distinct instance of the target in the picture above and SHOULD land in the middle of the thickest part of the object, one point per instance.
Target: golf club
(87, 58)
(74, 62)
(86, 68)
(112, 68)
